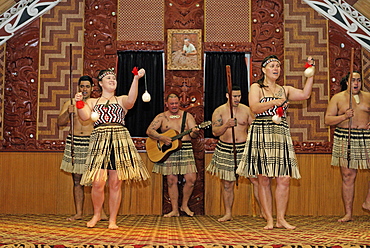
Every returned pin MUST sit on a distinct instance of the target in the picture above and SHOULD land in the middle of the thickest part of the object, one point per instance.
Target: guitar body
(158, 151)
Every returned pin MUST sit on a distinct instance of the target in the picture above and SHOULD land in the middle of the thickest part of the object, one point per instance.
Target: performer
(180, 162)
(222, 163)
(81, 137)
(112, 154)
(338, 113)
(269, 151)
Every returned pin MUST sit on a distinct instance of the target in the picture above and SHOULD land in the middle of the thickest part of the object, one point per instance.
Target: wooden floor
(200, 231)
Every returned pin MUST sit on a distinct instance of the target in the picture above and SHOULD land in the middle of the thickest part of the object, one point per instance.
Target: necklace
(174, 116)
(276, 90)
(107, 103)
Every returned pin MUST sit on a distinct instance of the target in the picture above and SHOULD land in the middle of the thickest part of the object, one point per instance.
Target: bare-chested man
(81, 139)
(222, 163)
(180, 162)
(339, 114)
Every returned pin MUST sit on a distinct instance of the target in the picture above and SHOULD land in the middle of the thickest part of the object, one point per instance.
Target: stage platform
(199, 231)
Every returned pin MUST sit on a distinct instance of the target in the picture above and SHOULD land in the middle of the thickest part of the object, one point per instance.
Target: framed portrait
(184, 49)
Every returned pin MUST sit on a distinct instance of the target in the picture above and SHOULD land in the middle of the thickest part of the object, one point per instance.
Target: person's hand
(78, 97)
(195, 130)
(165, 139)
(71, 109)
(232, 122)
(141, 73)
(349, 113)
(280, 102)
(310, 61)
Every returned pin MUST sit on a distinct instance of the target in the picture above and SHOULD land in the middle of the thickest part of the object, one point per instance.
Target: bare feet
(112, 225)
(172, 214)
(366, 206)
(284, 224)
(226, 217)
(187, 211)
(75, 217)
(346, 218)
(93, 221)
(270, 225)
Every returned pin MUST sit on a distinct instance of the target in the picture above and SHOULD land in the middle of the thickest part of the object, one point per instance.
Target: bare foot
(172, 214)
(284, 224)
(93, 221)
(187, 211)
(270, 225)
(75, 217)
(346, 218)
(112, 225)
(366, 206)
(226, 217)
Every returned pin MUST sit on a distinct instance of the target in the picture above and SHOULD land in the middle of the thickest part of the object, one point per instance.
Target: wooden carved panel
(340, 56)
(140, 45)
(267, 33)
(20, 89)
(227, 47)
(100, 50)
(187, 14)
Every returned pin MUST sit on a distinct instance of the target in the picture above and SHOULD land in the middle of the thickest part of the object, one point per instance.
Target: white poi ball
(276, 119)
(309, 72)
(146, 97)
(94, 116)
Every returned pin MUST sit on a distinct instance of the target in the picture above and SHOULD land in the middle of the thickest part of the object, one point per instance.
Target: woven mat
(202, 231)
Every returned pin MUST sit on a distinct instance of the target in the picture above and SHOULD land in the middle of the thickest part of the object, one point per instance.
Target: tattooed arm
(154, 126)
(219, 127)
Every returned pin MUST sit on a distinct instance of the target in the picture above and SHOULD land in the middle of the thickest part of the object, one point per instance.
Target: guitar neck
(179, 136)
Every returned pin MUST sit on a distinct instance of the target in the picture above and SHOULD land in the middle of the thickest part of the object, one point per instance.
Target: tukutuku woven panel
(140, 20)
(227, 21)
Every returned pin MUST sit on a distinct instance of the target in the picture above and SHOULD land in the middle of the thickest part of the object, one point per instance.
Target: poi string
(146, 96)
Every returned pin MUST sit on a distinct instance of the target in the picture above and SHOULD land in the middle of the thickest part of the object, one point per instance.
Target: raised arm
(129, 101)
(295, 94)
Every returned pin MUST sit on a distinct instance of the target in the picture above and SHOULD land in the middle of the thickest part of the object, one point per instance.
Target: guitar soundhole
(166, 147)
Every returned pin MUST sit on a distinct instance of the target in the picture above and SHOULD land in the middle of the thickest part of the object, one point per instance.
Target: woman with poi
(269, 151)
(112, 154)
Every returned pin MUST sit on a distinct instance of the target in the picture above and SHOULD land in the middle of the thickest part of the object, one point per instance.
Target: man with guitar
(181, 160)
(222, 164)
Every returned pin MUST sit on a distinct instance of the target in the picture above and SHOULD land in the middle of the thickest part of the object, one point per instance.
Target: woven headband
(106, 73)
(270, 60)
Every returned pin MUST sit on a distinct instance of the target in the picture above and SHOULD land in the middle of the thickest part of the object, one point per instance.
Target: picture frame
(188, 59)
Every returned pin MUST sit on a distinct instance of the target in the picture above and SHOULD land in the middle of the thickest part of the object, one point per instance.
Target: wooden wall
(32, 183)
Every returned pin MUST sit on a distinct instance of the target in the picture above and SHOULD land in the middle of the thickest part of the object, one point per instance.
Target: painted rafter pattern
(340, 12)
(21, 14)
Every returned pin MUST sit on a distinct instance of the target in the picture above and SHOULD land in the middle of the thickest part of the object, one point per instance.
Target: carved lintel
(228, 47)
(140, 45)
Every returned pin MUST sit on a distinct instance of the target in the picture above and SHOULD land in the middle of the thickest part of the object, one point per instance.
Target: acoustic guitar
(159, 151)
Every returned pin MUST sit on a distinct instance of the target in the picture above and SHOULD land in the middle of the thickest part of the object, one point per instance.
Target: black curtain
(140, 116)
(216, 82)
